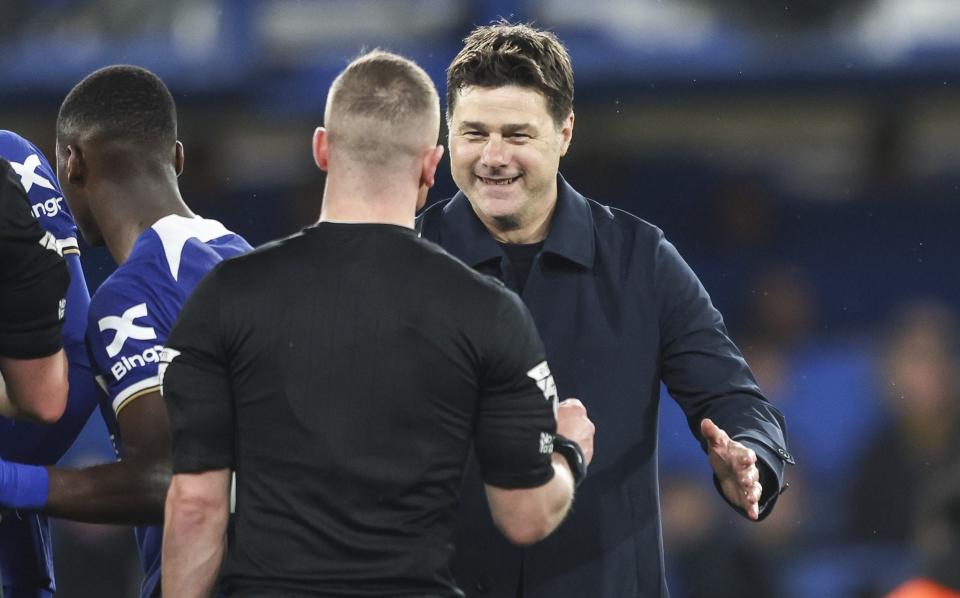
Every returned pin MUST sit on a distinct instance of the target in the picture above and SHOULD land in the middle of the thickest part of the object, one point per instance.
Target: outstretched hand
(735, 467)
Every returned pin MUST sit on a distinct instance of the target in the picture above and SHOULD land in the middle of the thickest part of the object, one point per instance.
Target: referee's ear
(321, 148)
(428, 169)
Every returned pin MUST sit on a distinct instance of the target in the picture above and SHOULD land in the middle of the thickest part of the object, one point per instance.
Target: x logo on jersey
(126, 328)
(28, 174)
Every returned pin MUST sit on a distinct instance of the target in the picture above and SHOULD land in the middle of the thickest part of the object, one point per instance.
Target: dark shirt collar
(571, 234)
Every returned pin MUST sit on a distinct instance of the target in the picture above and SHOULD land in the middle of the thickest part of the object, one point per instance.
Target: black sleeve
(195, 384)
(707, 375)
(33, 277)
(516, 420)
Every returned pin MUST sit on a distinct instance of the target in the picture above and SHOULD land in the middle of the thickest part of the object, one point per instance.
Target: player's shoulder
(206, 242)
(127, 285)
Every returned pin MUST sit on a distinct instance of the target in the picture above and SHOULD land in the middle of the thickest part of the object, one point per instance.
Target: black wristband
(572, 452)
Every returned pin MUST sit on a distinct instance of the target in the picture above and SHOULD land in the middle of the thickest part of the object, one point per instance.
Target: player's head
(382, 116)
(510, 115)
(118, 122)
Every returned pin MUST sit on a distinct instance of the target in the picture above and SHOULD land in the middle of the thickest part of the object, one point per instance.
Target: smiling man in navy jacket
(619, 311)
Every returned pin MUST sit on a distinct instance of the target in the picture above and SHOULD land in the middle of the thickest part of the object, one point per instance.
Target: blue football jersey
(131, 315)
(26, 559)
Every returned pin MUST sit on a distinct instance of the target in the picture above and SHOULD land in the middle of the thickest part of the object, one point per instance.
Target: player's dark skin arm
(131, 491)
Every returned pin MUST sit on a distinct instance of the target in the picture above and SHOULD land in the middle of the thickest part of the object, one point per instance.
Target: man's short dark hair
(121, 102)
(514, 54)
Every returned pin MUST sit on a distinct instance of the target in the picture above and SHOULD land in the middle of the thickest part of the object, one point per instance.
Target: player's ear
(76, 166)
(321, 148)
(178, 158)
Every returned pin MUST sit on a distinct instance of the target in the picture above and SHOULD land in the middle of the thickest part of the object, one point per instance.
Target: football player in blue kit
(118, 160)
(26, 559)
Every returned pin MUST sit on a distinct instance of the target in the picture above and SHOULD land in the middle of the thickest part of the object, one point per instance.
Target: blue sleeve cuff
(23, 486)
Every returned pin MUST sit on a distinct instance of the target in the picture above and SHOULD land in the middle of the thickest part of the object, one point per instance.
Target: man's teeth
(498, 181)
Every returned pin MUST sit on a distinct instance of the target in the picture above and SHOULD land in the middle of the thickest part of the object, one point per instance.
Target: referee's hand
(573, 423)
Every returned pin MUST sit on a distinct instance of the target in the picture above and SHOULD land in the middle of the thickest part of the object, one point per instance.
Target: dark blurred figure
(919, 376)
(751, 560)
(937, 541)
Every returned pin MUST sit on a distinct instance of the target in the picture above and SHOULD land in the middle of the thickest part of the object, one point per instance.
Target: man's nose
(495, 152)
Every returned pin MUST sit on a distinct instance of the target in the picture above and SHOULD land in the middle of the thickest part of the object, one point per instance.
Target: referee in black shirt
(33, 289)
(344, 372)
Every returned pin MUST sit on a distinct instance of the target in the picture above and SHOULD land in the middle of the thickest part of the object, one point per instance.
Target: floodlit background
(803, 155)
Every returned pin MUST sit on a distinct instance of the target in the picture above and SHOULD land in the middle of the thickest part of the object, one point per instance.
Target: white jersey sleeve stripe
(68, 244)
(139, 389)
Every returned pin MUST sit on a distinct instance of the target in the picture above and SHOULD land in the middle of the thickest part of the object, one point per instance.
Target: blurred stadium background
(803, 155)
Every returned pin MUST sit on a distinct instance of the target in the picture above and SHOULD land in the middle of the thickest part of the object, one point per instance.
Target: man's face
(505, 151)
(77, 200)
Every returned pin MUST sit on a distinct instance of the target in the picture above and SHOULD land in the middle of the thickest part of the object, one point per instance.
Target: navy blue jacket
(619, 311)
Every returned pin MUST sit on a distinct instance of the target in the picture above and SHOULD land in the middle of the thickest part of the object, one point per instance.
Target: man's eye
(520, 136)
(473, 134)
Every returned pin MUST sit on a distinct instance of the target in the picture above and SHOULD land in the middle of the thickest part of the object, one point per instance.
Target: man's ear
(428, 174)
(566, 134)
(428, 171)
(321, 148)
(76, 166)
(178, 158)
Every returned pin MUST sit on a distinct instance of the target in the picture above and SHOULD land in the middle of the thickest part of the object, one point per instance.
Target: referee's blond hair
(382, 108)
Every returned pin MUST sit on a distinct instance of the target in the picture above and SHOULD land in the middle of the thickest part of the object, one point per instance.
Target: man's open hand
(735, 467)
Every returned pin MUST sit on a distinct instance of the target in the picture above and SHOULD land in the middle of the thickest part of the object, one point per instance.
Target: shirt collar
(571, 234)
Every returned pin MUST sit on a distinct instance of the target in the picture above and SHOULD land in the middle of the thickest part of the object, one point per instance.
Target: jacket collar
(571, 234)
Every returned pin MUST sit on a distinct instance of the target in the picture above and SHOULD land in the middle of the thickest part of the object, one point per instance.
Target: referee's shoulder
(451, 272)
(267, 253)
(432, 214)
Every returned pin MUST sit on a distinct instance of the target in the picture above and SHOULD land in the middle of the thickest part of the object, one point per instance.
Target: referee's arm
(196, 389)
(33, 287)
(195, 532)
(529, 487)
(34, 389)
(528, 515)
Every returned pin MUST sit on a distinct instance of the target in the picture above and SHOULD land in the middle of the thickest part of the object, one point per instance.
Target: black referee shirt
(343, 373)
(33, 277)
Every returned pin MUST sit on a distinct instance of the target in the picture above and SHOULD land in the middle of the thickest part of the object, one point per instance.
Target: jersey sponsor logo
(62, 309)
(166, 358)
(126, 364)
(544, 379)
(48, 208)
(125, 328)
(28, 173)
